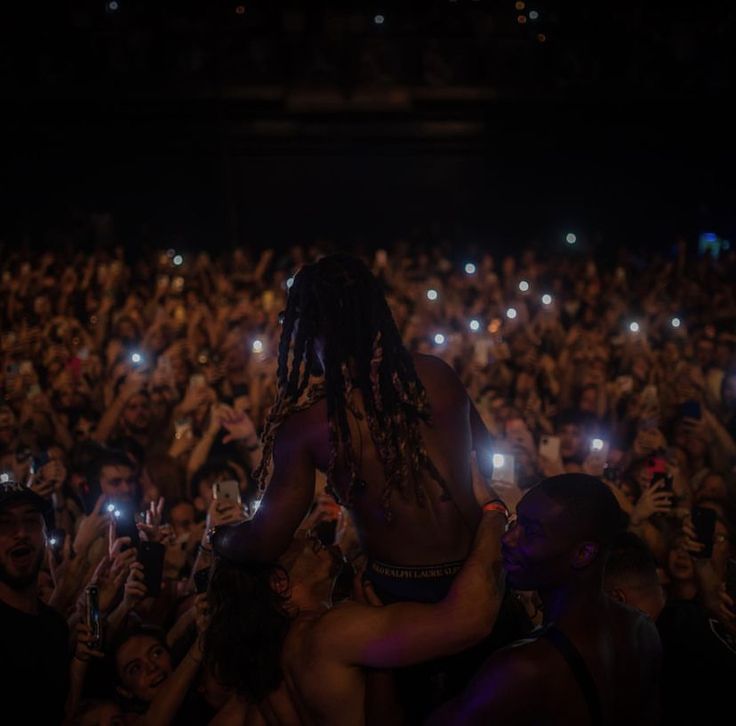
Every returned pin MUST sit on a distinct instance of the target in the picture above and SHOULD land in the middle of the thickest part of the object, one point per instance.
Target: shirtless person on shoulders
(392, 431)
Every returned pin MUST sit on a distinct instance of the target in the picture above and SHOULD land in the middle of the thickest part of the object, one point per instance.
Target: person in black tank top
(594, 661)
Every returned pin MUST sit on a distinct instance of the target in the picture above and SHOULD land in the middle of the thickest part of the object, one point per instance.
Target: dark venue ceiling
(266, 122)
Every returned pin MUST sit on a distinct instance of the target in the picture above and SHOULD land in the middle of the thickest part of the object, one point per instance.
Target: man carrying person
(595, 660)
(275, 637)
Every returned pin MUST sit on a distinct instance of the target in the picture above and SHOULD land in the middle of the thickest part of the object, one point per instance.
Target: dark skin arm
(283, 507)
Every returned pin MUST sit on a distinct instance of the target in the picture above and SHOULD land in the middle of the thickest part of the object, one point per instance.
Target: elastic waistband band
(416, 572)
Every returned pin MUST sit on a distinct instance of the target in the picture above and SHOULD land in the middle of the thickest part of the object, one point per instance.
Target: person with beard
(34, 648)
(595, 660)
(276, 639)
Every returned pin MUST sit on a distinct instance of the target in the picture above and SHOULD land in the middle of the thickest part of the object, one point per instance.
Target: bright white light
(474, 325)
(524, 286)
(533, 15)
(289, 283)
(511, 313)
(431, 294)
(439, 339)
(571, 239)
(136, 358)
(4, 478)
(257, 346)
(596, 445)
(256, 505)
(470, 269)
(378, 20)
(676, 322)
(178, 260)
(634, 327)
(498, 460)
(53, 541)
(110, 507)
(546, 299)
(118, 513)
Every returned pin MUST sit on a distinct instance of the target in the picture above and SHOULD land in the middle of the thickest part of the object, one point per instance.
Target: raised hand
(135, 589)
(92, 526)
(654, 500)
(239, 427)
(82, 649)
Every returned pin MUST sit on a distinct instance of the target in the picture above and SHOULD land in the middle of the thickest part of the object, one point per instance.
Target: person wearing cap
(34, 649)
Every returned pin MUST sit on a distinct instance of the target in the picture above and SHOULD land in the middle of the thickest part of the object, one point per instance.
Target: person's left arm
(284, 505)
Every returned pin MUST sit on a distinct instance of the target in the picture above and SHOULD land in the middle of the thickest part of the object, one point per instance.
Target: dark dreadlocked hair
(338, 299)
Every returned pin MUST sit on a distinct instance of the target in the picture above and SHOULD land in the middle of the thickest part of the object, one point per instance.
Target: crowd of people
(167, 557)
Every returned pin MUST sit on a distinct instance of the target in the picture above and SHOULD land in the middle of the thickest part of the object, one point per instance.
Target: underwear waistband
(415, 572)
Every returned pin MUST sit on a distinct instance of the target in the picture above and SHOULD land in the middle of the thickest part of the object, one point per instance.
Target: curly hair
(248, 625)
(339, 300)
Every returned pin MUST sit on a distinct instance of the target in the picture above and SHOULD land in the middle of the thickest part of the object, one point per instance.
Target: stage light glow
(634, 327)
(511, 313)
(474, 325)
(439, 339)
(432, 294)
(546, 299)
(470, 269)
(571, 239)
(524, 286)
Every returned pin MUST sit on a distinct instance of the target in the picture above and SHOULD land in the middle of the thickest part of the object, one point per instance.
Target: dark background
(207, 124)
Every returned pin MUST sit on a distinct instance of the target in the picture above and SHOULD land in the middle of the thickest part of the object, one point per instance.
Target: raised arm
(406, 633)
(284, 505)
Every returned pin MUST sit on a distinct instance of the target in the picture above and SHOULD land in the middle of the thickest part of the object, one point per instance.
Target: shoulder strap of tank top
(579, 669)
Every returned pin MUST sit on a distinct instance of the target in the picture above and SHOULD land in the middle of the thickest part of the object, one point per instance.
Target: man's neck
(575, 605)
(25, 600)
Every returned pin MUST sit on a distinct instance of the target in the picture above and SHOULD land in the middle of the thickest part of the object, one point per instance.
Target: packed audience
(135, 392)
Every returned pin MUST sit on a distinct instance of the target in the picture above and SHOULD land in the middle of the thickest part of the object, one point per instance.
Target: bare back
(438, 532)
(441, 530)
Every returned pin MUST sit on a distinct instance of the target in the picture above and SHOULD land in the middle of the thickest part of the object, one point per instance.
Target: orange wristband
(496, 505)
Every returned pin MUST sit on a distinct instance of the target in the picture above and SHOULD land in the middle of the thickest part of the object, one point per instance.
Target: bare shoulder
(340, 618)
(331, 636)
(299, 426)
(509, 674)
(437, 375)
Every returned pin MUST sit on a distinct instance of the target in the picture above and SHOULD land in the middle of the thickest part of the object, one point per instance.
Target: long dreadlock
(340, 300)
